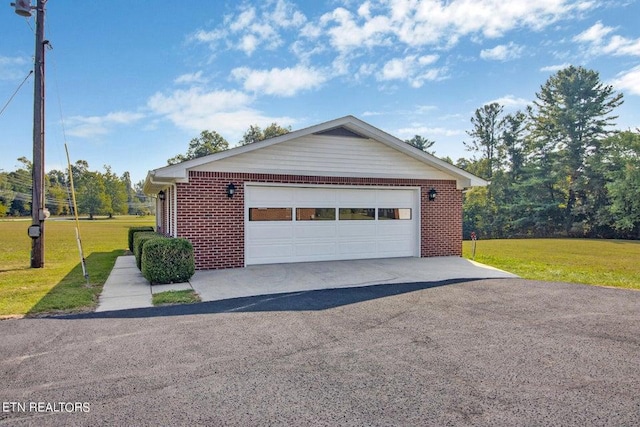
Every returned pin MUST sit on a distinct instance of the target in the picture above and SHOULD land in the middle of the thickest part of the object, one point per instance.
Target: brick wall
(214, 223)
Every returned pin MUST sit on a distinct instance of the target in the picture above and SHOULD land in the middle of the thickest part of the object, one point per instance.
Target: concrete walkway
(126, 288)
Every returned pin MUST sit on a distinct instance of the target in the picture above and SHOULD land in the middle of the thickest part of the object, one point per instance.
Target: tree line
(558, 168)
(97, 193)
(105, 193)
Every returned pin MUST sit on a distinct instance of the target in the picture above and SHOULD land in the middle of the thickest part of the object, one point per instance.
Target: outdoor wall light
(161, 195)
(432, 194)
(231, 190)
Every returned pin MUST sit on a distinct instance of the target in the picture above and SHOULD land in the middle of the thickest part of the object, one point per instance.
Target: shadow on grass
(8, 270)
(73, 293)
(323, 299)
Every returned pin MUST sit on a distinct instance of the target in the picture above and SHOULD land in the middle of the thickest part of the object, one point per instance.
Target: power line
(16, 91)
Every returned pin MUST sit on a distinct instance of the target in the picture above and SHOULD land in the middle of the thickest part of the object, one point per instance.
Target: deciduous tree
(209, 142)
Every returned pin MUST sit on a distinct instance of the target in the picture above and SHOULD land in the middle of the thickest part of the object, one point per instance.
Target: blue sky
(130, 83)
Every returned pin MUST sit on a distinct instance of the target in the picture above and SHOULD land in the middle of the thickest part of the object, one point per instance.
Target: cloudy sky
(130, 83)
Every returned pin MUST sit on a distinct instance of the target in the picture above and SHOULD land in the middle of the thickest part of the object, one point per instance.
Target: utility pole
(36, 230)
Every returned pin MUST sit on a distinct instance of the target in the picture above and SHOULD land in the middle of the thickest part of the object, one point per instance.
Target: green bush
(167, 260)
(134, 230)
(139, 239)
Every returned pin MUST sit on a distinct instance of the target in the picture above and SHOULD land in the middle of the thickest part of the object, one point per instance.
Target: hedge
(168, 260)
(139, 240)
(134, 230)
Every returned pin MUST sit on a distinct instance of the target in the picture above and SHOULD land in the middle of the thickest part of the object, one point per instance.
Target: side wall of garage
(214, 223)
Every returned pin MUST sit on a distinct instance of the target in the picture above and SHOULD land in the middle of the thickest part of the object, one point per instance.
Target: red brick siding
(214, 223)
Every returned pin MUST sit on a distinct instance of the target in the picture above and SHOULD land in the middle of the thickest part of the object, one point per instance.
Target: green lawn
(59, 286)
(595, 262)
(175, 297)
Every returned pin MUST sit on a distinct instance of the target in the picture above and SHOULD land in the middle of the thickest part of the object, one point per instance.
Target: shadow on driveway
(293, 301)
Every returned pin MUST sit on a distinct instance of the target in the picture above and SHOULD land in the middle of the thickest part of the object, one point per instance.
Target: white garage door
(296, 224)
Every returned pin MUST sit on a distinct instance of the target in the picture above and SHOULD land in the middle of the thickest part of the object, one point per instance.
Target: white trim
(357, 187)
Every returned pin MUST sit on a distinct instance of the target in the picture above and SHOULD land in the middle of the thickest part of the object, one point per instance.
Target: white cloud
(399, 69)
(412, 68)
(253, 28)
(428, 132)
(415, 110)
(628, 81)
(287, 15)
(90, 126)
(13, 67)
(437, 23)
(207, 36)
(599, 40)
(554, 68)
(279, 81)
(190, 78)
(511, 102)
(346, 33)
(227, 112)
(502, 52)
(595, 33)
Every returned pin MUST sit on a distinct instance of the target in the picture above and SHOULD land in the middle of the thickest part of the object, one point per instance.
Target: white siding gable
(327, 156)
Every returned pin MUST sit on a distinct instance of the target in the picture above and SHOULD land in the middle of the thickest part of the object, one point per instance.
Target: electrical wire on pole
(4, 107)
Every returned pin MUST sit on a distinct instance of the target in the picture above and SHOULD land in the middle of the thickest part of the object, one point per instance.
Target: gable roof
(347, 126)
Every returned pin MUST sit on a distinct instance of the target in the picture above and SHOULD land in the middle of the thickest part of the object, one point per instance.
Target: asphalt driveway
(488, 352)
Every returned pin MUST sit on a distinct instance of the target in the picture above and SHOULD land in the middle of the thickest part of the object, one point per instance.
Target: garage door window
(315, 214)
(270, 214)
(357, 214)
(401, 213)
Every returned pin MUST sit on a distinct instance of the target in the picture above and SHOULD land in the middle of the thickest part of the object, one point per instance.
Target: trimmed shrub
(167, 260)
(139, 239)
(134, 230)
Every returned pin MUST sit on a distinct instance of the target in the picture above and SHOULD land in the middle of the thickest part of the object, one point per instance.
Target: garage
(338, 190)
(315, 223)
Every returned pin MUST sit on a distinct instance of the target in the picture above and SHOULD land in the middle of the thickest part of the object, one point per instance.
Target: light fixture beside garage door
(432, 194)
(231, 190)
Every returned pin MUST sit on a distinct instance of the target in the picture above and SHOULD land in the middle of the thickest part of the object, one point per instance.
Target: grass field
(595, 262)
(59, 286)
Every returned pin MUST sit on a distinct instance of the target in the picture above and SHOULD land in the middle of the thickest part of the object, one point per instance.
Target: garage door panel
(268, 232)
(398, 228)
(318, 197)
(270, 196)
(357, 197)
(357, 249)
(270, 252)
(317, 249)
(316, 231)
(356, 228)
(395, 198)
